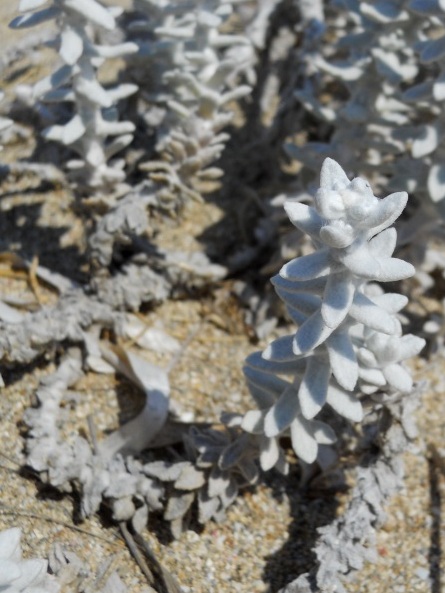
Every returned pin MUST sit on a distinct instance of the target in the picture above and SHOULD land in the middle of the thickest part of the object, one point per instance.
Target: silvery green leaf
(311, 334)
(344, 403)
(307, 267)
(398, 377)
(436, 182)
(313, 388)
(337, 299)
(342, 359)
(34, 18)
(71, 45)
(282, 414)
(304, 217)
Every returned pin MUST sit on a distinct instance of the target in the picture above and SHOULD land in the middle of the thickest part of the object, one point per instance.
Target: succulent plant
(349, 338)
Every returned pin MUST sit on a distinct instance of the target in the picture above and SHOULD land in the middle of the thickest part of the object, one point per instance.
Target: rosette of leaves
(94, 116)
(18, 575)
(349, 339)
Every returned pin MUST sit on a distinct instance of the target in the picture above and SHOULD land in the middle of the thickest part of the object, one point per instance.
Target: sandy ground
(266, 540)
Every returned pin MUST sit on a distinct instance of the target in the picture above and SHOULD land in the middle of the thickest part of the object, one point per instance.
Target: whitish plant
(18, 575)
(349, 340)
(95, 118)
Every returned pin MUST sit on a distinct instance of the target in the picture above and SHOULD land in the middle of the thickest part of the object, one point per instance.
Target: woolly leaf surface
(313, 388)
(398, 377)
(365, 311)
(307, 267)
(280, 416)
(303, 443)
(344, 403)
(342, 359)
(304, 217)
(311, 334)
(337, 299)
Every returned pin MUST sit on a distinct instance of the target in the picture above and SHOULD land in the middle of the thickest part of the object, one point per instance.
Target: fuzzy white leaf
(315, 286)
(269, 453)
(337, 299)
(344, 403)
(304, 217)
(362, 263)
(280, 349)
(31, 4)
(9, 571)
(311, 334)
(53, 81)
(365, 311)
(32, 573)
(34, 18)
(383, 244)
(92, 11)
(71, 46)
(67, 134)
(390, 208)
(409, 346)
(303, 443)
(253, 421)
(398, 377)
(10, 544)
(313, 388)
(307, 267)
(343, 359)
(280, 416)
(372, 376)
